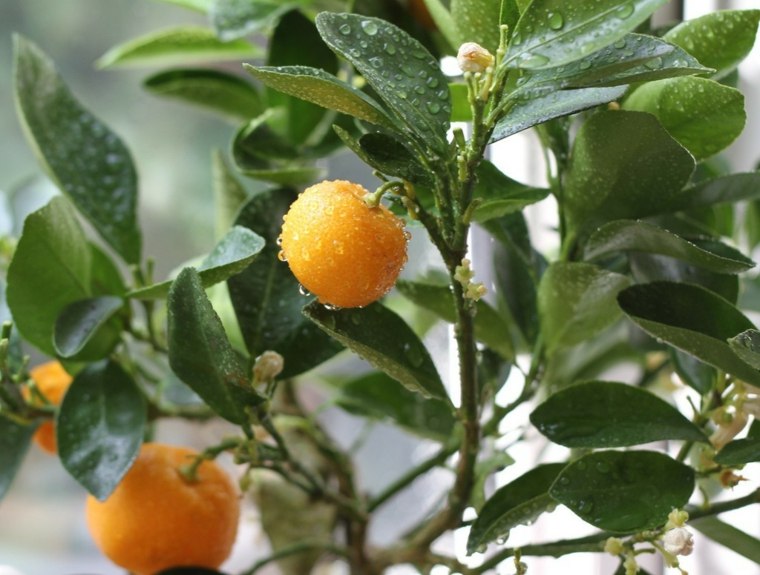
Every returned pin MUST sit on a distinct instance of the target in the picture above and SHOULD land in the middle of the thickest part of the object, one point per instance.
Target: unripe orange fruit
(156, 518)
(52, 381)
(345, 252)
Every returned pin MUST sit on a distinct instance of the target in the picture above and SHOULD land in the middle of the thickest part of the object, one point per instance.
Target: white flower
(473, 57)
(678, 541)
(728, 430)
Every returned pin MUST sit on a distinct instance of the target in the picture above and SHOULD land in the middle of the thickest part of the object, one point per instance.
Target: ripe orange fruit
(156, 518)
(52, 381)
(345, 252)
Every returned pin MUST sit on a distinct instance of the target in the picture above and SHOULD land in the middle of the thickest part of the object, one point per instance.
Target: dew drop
(413, 354)
(345, 29)
(620, 44)
(303, 291)
(356, 318)
(281, 256)
(432, 82)
(584, 65)
(602, 467)
(376, 62)
(556, 21)
(389, 49)
(369, 27)
(419, 89)
(433, 107)
(654, 63)
(625, 11)
(564, 480)
(534, 60)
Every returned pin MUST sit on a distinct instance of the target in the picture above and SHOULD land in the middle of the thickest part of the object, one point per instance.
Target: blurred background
(42, 529)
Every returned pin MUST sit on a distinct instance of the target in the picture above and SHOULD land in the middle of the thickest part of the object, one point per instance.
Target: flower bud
(678, 541)
(613, 546)
(473, 57)
(268, 366)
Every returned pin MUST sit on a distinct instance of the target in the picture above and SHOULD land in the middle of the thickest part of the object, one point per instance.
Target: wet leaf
(86, 322)
(14, 443)
(236, 18)
(477, 21)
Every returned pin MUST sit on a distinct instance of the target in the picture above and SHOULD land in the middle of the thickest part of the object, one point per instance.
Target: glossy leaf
(528, 111)
(231, 255)
(382, 338)
(200, 354)
(38, 292)
(703, 115)
(105, 277)
(729, 536)
(402, 72)
(665, 310)
(379, 396)
(266, 296)
(85, 159)
(86, 322)
(576, 301)
(720, 39)
(638, 236)
(695, 373)
(519, 502)
(100, 427)
(14, 443)
(624, 491)
(608, 414)
(477, 21)
(236, 18)
(742, 451)
(747, 346)
(498, 195)
(490, 328)
(217, 91)
(553, 32)
(177, 45)
(721, 190)
(623, 165)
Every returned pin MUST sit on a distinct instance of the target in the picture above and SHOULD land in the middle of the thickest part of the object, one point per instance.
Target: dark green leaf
(379, 396)
(608, 414)
(666, 311)
(80, 154)
(719, 39)
(741, 451)
(100, 427)
(729, 536)
(554, 32)
(477, 21)
(86, 322)
(747, 346)
(218, 91)
(200, 354)
(490, 327)
(229, 194)
(721, 190)
(235, 18)
(500, 195)
(576, 301)
(695, 373)
(324, 89)
(703, 115)
(14, 442)
(381, 337)
(266, 296)
(623, 165)
(105, 277)
(638, 236)
(528, 111)
(234, 252)
(402, 72)
(624, 492)
(177, 45)
(50, 269)
(517, 503)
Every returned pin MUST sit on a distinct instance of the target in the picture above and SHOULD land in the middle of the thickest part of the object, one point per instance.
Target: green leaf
(638, 236)
(742, 451)
(623, 165)
(528, 110)
(266, 296)
(200, 354)
(703, 115)
(478, 21)
(553, 32)
(85, 159)
(197, 5)
(728, 189)
(402, 72)
(729, 536)
(484, 470)
(382, 338)
(444, 22)
(609, 414)
(499, 195)
(86, 322)
(231, 255)
(50, 269)
(381, 397)
(105, 277)
(747, 346)
(576, 301)
(665, 310)
(14, 443)
(229, 194)
(100, 427)
(519, 502)
(218, 91)
(694, 372)
(720, 40)
(176, 45)
(317, 86)
(624, 491)
(490, 328)
(236, 18)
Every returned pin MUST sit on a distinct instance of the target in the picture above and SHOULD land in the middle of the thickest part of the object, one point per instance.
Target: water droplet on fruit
(281, 256)
(303, 291)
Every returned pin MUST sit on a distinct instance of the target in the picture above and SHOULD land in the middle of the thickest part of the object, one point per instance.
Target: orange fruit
(52, 381)
(345, 252)
(156, 518)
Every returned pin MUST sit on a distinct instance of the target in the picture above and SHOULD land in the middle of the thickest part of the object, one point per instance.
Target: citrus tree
(651, 272)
